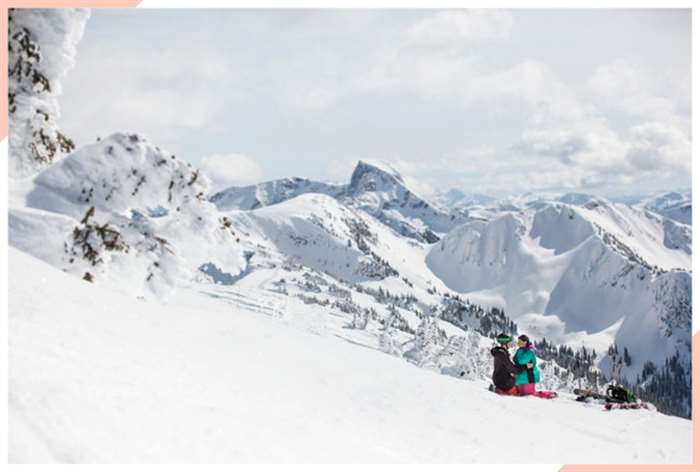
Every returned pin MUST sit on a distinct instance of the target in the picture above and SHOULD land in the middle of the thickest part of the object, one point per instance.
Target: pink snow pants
(529, 389)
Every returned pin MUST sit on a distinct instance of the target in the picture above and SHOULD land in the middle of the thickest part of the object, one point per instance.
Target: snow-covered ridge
(564, 269)
(674, 205)
(270, 193)
(375, 188)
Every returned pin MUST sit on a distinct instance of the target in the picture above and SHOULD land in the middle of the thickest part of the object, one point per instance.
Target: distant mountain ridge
(374, 187)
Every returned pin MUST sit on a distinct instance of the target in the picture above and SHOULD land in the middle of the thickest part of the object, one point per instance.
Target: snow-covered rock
(125, 211)
(379, 190)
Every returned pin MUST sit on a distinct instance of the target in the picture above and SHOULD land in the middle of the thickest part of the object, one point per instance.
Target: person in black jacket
(504, 370)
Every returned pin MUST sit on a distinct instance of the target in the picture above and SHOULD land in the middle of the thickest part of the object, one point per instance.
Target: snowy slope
(99, 377)
(325, 235)
(674, 205)
(600, 273)
(128, 214)
(656, 240)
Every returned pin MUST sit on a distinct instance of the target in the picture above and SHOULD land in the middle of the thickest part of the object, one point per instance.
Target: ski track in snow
(96, 376)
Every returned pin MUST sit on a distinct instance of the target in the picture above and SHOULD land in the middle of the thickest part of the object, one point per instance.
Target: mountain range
(574, 269)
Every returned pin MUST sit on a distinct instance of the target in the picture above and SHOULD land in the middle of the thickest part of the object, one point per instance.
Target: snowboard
(584, 394)
(628, 406)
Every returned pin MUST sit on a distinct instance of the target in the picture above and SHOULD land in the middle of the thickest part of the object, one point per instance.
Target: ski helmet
(503, 338)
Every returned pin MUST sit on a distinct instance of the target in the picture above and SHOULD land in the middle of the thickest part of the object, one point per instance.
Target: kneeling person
(504, 371)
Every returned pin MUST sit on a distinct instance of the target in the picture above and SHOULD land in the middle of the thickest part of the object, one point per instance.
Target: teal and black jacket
(521, 358)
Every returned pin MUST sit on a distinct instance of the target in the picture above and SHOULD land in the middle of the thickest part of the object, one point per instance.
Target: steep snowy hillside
(325, 235)
(600, 273)
(644, 237)
(674, 205)
(375, 188)
(95, 376)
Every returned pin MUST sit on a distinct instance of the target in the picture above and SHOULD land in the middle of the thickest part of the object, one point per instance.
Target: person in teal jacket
(525, 381)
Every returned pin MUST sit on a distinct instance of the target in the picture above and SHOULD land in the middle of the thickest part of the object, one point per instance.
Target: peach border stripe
(695, 402)
(4, 114)
(132, 3)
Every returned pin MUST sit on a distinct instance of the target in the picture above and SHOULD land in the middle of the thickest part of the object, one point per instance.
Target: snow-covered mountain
(270, 193)
(674, 205)
(599, 271)
(125, 213)
(578, 199)
(380, 191)
(375, 188)
(455, 198)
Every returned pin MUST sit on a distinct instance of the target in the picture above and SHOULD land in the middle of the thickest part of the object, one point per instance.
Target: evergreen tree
(627, 358)
(37, 60)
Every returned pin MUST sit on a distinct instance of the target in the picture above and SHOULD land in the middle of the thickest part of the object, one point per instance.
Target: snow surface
(97, 376)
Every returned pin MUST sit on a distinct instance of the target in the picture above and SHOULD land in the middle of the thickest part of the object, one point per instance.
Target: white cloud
(231, 169)
(659, 147)
(482, 97)
(420, 186)
(446, 28)
(640, 93)
(433, 56)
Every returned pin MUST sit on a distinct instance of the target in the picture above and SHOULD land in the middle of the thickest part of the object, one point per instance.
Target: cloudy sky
(489, 101)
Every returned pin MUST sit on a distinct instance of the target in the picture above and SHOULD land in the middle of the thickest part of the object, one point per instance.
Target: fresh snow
(578, 274)
(97, 376)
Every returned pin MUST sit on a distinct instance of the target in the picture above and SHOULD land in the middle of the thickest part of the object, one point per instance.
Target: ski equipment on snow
(629, 406)
(621, 394)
